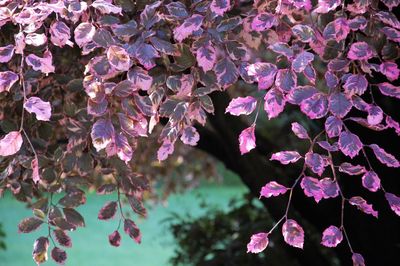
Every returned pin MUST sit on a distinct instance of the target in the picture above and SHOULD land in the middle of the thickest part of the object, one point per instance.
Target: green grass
(90, 244)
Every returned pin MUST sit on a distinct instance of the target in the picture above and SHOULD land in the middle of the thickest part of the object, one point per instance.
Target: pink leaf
(227, 73)
(102, 133)
(219, 7)
(40, 108)
(286, 157)
(326, 6)
(390, 70)
(124, 149)
(241, 105)
(350, 169)
(389, 89)
(272, 189)
(360, 51)
(312, 188)
(332, 236)
(206, 56)
(115, 239)
(106, 7)
(60, 34)
(316, 106)
(330, 188)
(35, 170)
(355, 84)
(299, 131)
(7, 80)
(247, 140)
(293, 233)
(263, 21)
(362, 205)
(166, 149)
(10, 143)
(258, 243)
(264, 74)
(274, 103)
(35, 39)
(349, 144)
(6, 53)
(384, 157)
(371, 181)
(188, 27)
(84, 33)
(316, 162)
(394, 202)
(357, 259)
(118, 58)
(190, 136)
(375, 115)
(140, 78)
(43, 64)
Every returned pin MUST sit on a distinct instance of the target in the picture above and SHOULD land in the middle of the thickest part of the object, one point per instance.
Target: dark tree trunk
(376, 240)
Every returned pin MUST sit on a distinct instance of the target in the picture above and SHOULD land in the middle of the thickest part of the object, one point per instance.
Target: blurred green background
(90, 244)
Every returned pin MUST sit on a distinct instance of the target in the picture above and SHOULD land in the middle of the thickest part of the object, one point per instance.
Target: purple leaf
(62, 238)
(35, 170)
(339, 104)
(330, 188)
(316, 106)
(324, 6)
(384, 157)
(10, 143)
(293, 233)
(188, 27)
(106, 7)
(258, 242)
(371, 181)
(264, 74)
(166, 149)
(115, 239)
(362, 205)
(350, 169)
(394, 202)
(331, 236)
(124, 150)
(40, 108)
(219, 7)
(312, 188)
(263, 21)
(286, 80)
(59, 255)
(333, 126)
(272, 189)
(274, 103)
(40, 248)
(357, 259)
(390, 70)
(140, 78)
(190, 136)
(29, 225)
(7, 80)
(247, 140)
(43, 64)
(282, 48)
(132, 230)
(286, 157)
(108, 211)
(146, 54)
(299, 131)
(355, 84)
(118, 58)
(357, 23)
(84, 33)
(60, 34)
(336, 65)
(300, 93)
(349, 144)
(375, 115)
(241, 105)
(227, 73)
(331, 80)
(327, 146)
(336, 30)
(389, 19)
(391, 34)
(102, 133)
(360, 51)
(304, 32)
(6, 53)
(389, 89)
(315, 162)
(301, 61)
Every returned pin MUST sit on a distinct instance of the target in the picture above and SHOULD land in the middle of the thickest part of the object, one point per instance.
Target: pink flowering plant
(143, 67)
